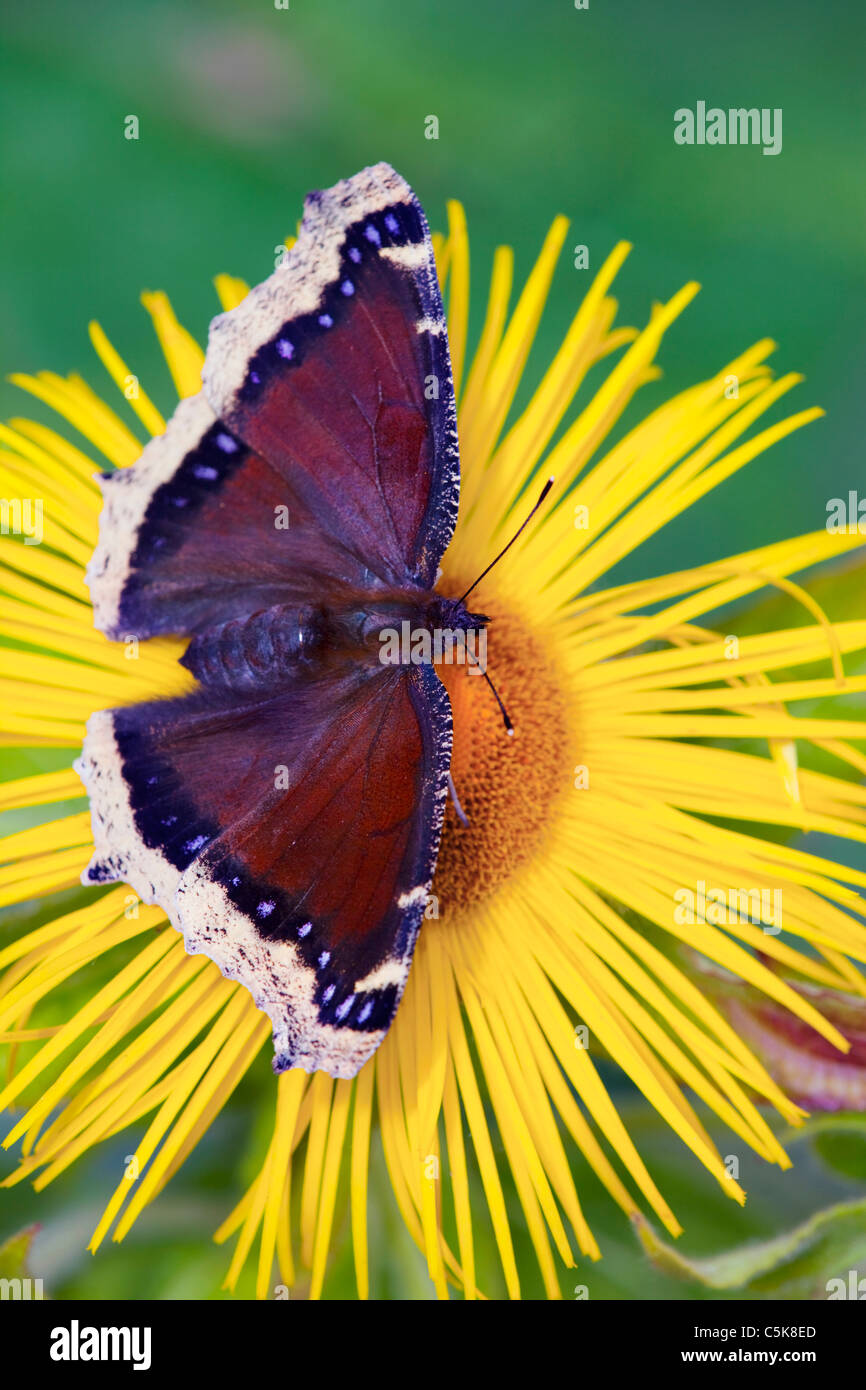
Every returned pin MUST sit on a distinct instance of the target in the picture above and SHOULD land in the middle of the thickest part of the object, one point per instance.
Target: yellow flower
(615, 798)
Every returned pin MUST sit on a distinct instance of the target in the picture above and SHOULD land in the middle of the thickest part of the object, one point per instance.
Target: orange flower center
(507, 786)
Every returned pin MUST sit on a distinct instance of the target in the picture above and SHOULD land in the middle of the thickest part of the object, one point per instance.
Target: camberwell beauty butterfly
(287, 813)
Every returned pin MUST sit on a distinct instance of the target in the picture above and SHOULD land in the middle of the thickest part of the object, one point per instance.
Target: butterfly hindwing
(290, 837)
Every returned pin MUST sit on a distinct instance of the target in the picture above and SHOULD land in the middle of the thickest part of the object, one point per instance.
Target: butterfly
(286, 814)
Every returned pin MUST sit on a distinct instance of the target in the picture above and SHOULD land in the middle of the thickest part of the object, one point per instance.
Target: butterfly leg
(461, 814)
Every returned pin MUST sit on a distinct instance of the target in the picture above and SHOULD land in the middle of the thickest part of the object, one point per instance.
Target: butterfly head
(451, 614)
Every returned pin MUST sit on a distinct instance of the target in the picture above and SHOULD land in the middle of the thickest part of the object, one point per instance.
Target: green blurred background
(542, 109)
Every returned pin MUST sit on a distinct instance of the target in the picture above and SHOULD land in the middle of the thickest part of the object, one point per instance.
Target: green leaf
(843, 1153)
(839, 1140)
(797, 1264)
(14, 1253)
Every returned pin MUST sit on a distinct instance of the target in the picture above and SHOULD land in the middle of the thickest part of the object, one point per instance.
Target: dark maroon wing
(290, 837)
(321, 455)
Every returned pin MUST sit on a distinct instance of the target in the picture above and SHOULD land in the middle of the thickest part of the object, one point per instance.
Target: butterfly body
(286, 813)
(283, 643)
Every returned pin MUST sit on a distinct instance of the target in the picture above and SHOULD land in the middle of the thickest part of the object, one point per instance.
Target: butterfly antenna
(544, 491)
(509, 727)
